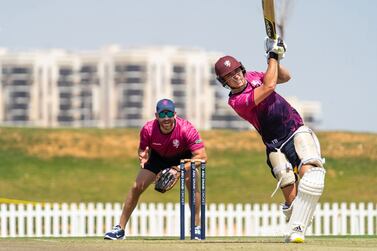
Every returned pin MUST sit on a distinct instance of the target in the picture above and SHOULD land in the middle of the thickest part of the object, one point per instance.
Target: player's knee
(288, 178)
(313, 181)
(138, 188)
(282, 169)
(307, 148)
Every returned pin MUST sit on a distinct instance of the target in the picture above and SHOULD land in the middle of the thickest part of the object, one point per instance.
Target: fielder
(289, 143)
(164, 141)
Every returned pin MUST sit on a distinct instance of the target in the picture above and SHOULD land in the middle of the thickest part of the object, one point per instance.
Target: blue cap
(165, 105)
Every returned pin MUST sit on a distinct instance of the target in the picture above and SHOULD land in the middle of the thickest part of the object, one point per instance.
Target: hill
(74, 165)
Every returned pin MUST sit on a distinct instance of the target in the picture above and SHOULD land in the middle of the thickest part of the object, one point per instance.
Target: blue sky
(331, 54)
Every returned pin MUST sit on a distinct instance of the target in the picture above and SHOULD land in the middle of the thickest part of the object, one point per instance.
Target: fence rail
(94, 219)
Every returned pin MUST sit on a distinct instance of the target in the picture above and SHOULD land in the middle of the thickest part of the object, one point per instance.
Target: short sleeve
(144, 138)
(194, 141)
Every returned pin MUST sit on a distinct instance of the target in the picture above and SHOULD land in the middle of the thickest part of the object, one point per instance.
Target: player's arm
(283, 74)
(197, 154)
(269, 81)
(200, 154)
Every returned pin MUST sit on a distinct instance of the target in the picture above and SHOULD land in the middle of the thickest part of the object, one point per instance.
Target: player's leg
(143, 180)
(289, 193)
(282, 170)
(310, 187)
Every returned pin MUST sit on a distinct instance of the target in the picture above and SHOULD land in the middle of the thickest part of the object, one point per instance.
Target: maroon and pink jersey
(274, 118)
(183, 138)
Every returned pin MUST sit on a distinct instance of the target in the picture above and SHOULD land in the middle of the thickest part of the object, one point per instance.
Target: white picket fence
(94, 219)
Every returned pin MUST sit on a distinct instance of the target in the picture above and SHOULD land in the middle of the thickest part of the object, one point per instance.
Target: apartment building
(115, 87)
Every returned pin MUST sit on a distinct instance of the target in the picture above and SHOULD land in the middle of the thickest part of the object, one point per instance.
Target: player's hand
(276, 46)
(144, 156)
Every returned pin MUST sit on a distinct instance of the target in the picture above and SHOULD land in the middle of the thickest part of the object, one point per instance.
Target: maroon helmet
(226, 65)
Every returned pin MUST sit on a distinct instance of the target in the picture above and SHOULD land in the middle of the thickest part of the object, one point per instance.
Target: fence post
(212, 225)
(91, 220)
(170, 217)
(362, 215)
(65, 213)
(12, 220)
(221, 216)
(371, 214)
(335, 219)
(30, 220)
(99, 219)
(21, 220)
(326, 219)
(239, 216)
(229, 213)
(354, 219)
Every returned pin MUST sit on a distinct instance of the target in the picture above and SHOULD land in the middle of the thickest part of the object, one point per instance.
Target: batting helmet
(226, 65)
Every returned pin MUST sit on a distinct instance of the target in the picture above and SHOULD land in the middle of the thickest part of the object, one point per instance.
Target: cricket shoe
(296, 236)
(198, 233)
(116, 234)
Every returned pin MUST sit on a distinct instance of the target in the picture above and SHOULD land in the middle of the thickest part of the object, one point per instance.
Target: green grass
(211, 244)
(90, 165)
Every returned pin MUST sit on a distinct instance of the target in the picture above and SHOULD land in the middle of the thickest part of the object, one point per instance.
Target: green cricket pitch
(173, 244)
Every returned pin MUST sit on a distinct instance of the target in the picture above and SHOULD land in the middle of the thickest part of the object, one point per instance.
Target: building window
(19, 82)
(20, 70)
(177, 81)
(134, 67)
(65, 71)
(88, 69)
(178, 69)
(133, 80)
(177, 93)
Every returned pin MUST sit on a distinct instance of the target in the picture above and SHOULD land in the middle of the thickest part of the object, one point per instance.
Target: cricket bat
(269, 18)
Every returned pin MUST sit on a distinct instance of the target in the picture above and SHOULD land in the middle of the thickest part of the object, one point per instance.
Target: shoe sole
(297, 240)
(113, 239)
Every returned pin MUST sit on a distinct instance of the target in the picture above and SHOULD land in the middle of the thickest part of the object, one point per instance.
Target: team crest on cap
(227, 63)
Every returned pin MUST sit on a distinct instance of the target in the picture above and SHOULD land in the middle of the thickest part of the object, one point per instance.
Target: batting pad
(310, 189)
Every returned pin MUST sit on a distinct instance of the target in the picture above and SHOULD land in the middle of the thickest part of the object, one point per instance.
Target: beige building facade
(115, 87)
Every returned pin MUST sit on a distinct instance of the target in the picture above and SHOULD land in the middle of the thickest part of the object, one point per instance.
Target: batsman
(164, 141)
(292, 149)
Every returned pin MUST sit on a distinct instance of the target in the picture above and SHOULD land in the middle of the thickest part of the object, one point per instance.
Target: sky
(332, 48)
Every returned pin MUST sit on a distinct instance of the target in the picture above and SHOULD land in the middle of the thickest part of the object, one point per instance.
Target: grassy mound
(75, 165)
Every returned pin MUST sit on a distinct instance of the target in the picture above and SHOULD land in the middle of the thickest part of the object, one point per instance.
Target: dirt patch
(340, 144)
(84, 146)
(232, 140)
(124, 142)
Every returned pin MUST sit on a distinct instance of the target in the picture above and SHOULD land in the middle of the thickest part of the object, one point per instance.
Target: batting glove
(275, 47)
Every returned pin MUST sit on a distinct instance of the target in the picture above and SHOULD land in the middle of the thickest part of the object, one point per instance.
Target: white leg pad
(307, 147)
(310, 189)
(282, 169)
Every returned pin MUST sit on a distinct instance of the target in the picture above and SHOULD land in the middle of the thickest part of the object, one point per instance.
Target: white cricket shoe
(296, 236)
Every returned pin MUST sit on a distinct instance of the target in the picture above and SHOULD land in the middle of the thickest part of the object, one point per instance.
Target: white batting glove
(269, 43)
(276, 46)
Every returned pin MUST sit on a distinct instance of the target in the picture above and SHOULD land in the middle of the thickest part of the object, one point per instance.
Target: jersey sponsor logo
(176, 143)
(156, 144)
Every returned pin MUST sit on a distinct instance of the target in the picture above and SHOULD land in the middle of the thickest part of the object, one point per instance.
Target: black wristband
(273, 55)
